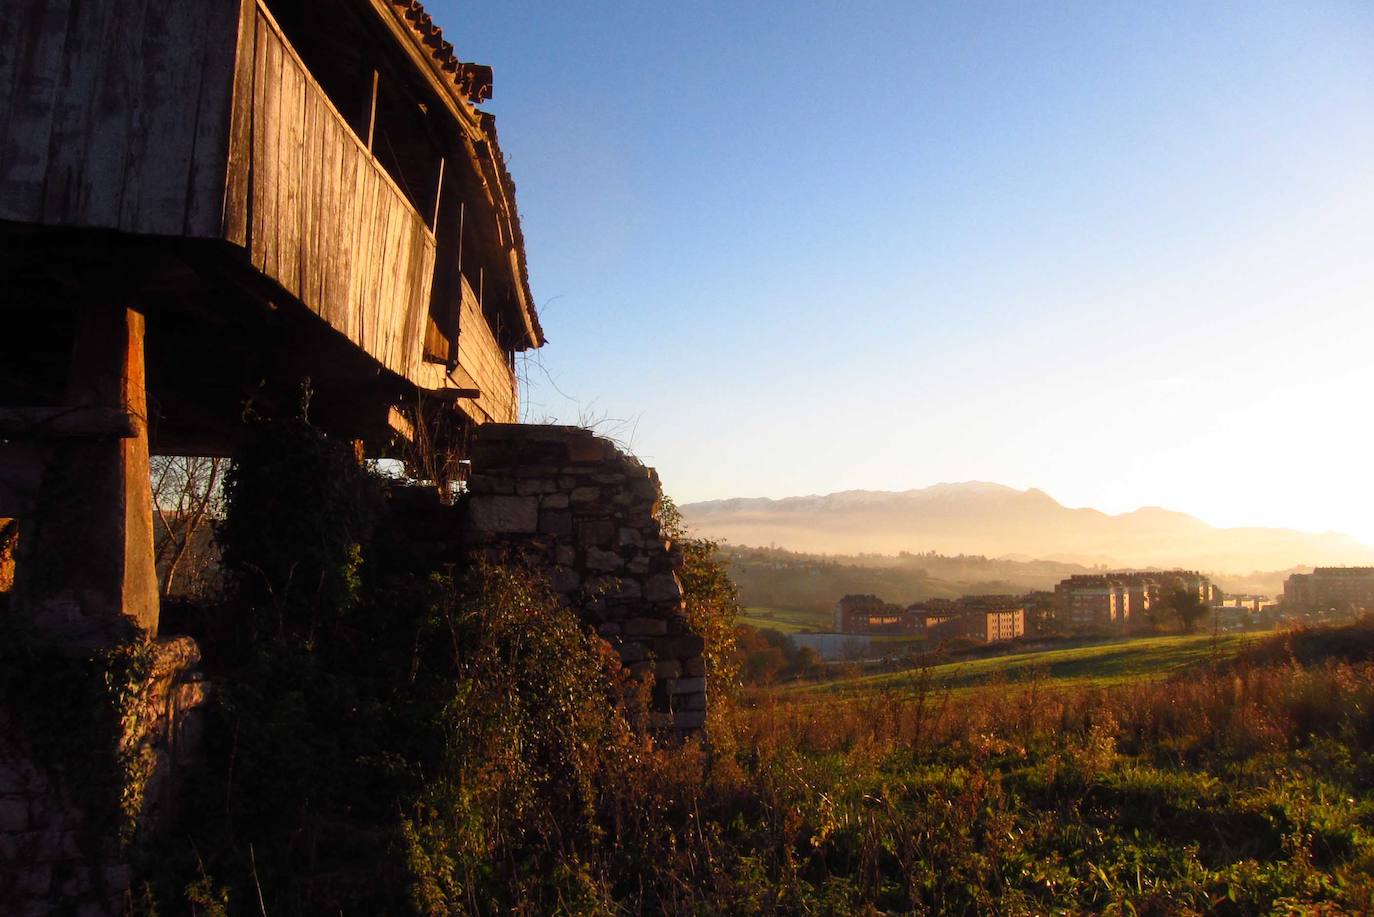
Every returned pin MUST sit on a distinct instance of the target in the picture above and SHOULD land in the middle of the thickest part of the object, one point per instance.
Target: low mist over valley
(999, 521)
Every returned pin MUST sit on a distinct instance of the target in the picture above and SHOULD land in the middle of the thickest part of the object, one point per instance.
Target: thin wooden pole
(458, 306)
(438, 196)
(372, 112)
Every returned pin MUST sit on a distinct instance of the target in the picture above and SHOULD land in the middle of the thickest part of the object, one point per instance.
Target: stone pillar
(85, 568)
(568, 503)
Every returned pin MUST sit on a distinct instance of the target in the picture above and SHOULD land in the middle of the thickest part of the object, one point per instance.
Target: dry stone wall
(57, 856)
(573, 506)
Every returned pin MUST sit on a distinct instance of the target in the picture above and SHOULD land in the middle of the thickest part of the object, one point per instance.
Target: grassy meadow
(785, 620)
(1099, 664)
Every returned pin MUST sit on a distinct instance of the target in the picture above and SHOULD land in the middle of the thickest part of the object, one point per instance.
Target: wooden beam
(78, 422)
(454, 394)
(400, 424)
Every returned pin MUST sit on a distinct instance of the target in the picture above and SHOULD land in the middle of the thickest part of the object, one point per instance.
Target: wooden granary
(205, 203)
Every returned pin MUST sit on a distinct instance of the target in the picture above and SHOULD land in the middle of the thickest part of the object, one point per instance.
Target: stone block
(515, 515)
(585, 494)
(609, 478)
(689, 719)
(645, 627)
(528, 487)
(565, 555)
(687, 686)
(638, 669)
(555, 523)
(695, 667)
(663, 587)
(598, 559)
(35, 880)
(564, 580)
(683, 647)
(689, 702)
(14, 814)
(630, 538)
(667, 668)
(595, 532)
(554, 501)
(491, 484)
(608, 629)
(633, 652)
(586, 449)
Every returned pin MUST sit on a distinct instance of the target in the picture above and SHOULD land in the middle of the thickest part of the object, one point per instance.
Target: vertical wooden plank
(235, 207)
(365, 265)
(82, 73)
(37, 72)
(340, 230)
(159, 164)
(219, 74)
(340, 277)
(290, 142)
(311, 172)
(379, 313)
(263, 184)
(325, 215)
(15, 33)
(113, 113)
(271, 166)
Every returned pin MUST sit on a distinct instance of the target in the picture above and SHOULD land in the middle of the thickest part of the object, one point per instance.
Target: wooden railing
(319, 214)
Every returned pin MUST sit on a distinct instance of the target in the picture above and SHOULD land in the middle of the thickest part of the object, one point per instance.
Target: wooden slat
(214, 116)
(240, 152)
(15, 28)
(264, 164)
(39, 44)
(81, 79)
(482, 357)
(162, 131)
(290, 143)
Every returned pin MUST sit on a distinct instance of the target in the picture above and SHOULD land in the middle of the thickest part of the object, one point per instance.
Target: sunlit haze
(1122, 255)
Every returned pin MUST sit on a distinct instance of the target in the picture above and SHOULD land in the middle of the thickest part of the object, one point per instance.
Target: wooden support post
(85, 570)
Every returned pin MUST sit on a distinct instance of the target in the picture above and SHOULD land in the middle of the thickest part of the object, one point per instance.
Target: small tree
(186, 498)
(1189, 607)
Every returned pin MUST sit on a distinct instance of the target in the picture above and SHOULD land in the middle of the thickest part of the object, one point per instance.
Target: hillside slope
(998, 521)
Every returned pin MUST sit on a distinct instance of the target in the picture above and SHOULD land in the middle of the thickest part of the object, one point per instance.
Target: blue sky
(1125, 255)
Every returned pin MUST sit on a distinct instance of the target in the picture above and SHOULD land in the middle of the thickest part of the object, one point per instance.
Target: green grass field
(786, 620)
(1107, 663)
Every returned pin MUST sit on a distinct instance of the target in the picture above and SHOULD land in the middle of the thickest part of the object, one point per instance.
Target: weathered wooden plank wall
(199, 119)
(115, 113)
(481, 355)
(323, 217)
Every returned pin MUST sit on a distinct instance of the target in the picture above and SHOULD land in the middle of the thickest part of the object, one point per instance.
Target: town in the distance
(1127, 602)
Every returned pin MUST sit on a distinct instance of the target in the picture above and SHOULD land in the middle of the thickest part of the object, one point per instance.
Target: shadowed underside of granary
(244, 203)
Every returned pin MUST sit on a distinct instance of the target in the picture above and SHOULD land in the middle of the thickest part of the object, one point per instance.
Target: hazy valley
(1001, 522)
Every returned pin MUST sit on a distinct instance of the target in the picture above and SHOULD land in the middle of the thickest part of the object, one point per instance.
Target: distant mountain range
(997, 521)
